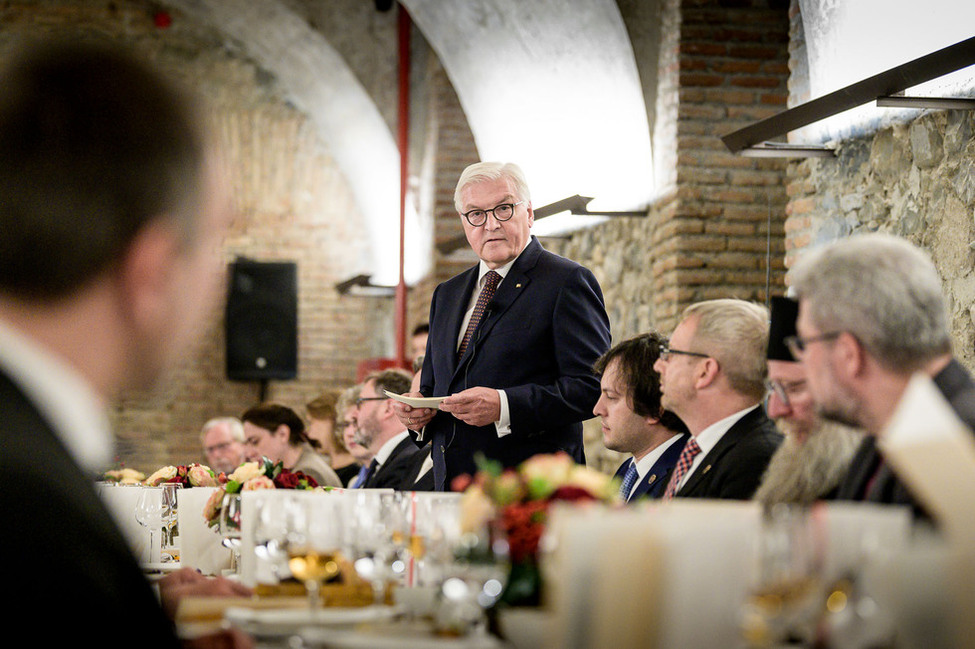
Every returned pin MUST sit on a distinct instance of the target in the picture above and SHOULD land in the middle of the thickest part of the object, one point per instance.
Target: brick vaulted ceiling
(551, 84)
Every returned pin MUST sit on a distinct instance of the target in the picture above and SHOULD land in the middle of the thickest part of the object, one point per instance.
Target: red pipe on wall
(403, 126)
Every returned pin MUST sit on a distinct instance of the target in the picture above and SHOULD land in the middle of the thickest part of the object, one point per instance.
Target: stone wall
(915, 180)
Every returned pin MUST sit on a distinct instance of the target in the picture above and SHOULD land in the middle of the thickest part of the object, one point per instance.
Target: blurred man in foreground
(633, 421)
(111, 218)
(816, 453)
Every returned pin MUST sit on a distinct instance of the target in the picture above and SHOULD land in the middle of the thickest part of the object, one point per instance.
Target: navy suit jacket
(654, 483)
(398, 471)
(538, 340)
(64, 545)
(733, 469)
(871, 480)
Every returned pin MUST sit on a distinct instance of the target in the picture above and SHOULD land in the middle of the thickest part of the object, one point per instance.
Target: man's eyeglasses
(360, 400)
(501, 212)
(783, 390)
(798, 345)
(666, 351)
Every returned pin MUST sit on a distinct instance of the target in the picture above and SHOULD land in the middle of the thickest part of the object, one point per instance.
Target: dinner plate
(416, 402)
(396, 636)
(287, 620)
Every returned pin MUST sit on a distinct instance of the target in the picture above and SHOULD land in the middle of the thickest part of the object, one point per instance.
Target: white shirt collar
(711, 435)
(63, 397)
(648, 460)
(387, 449)
(482, 267)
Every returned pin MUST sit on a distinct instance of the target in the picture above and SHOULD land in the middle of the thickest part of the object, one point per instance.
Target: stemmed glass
(230, 527)
(149, 513)
(474, 580)
(378, 540)
(170, 529)
(270, 532)
(783, 601)
(314, 542)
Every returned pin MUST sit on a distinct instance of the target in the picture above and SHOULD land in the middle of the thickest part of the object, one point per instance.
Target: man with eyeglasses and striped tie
(712, 376)
(512, 339)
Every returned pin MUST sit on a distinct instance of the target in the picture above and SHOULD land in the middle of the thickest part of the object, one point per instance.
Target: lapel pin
(517, 285)
(706, 469)
(651, 480)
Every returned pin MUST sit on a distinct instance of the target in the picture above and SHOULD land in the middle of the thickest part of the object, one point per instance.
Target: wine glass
(314, 542)
(170, 528)
(270, 532)
(230, 527)
(148, 511)
(783, 602)
(378, 540)
(474, 580)
(434, 534)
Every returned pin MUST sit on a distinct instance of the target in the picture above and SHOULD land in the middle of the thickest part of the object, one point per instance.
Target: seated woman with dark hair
(278, 433)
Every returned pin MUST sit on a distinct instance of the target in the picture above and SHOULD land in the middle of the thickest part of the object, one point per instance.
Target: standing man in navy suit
(512, 340)
(633, 421)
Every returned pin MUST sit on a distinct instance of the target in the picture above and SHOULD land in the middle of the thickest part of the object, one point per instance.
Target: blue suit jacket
(653, 483)
(538, 340)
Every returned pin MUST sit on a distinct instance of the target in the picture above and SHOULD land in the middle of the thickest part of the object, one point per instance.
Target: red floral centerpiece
(516, 503)
(251, 476)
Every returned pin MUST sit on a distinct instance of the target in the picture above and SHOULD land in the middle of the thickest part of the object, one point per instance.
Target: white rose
(162, 475)
(246, 471)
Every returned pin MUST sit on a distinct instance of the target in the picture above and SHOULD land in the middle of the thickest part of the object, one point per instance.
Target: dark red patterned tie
(491, 280)
(684, 462)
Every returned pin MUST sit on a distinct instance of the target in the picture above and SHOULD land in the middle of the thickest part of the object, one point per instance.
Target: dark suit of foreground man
(523, 382)
(110, 216)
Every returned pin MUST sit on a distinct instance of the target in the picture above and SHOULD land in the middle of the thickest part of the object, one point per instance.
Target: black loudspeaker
(262, 321)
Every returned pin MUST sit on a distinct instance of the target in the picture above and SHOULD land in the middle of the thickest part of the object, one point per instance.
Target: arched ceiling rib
(553, 86)
(320, 84)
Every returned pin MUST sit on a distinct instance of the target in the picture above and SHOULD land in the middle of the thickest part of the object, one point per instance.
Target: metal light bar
(362, 286)
(940, 103)
(575, 204)
(893, 81)
(775, 150)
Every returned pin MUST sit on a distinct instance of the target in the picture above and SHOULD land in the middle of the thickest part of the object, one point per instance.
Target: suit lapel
(510, 290)
(455, 318)
(725, 444)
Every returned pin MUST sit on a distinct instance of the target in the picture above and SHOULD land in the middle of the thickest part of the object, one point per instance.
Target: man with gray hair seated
(712, 376)
(223, 444)
(871, 315)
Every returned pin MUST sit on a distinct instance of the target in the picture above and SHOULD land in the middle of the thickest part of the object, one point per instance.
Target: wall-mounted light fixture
(362, 286)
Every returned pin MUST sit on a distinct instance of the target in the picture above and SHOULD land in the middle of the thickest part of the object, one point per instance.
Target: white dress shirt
(645, 463)
(503, 424)
(63, 397)
(387, 449)
(710, 436)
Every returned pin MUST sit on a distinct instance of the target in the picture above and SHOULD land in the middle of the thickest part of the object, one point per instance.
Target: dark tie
(629, 479)
(491, 280)
(684, 462)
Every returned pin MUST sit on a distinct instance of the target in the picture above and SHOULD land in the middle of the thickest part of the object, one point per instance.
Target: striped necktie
(629, 479)
(491, 281)
(691, 449)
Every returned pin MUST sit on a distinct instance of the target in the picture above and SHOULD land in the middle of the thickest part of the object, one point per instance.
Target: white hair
(883, 290)
(232, 423)
(480, 172)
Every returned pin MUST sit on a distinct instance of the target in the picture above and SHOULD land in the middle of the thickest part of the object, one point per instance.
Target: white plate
(416, 402)
(273, 621)
(395, 637)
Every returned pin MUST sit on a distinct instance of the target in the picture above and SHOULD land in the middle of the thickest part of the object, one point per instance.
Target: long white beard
(803, 473)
